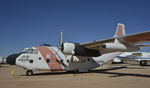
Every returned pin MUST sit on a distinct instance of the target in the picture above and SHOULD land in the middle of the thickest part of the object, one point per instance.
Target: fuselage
(136, 56)
(51, 58)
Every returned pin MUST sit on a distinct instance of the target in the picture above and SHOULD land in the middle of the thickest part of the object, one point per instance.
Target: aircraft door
(31, 56)
(50, 58)
(53, 62)
(33, 60)
(50, 61)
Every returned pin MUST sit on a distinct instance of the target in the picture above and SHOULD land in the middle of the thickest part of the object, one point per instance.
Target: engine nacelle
(68, 48)
(76, 49)
(115, 46)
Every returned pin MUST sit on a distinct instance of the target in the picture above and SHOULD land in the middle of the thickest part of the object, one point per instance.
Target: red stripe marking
(120, 30)
(54, 65)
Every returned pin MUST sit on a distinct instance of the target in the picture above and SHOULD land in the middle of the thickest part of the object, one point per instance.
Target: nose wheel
(29, 72)
(143, 63)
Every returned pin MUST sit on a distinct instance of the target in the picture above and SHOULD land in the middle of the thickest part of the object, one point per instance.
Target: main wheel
(145, 63)
(29, 72)
(141, 63)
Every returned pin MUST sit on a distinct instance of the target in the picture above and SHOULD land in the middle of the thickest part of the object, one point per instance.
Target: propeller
(61, 40)
(60, 47)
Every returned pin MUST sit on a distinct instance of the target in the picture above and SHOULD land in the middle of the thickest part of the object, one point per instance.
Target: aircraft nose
(11, 59)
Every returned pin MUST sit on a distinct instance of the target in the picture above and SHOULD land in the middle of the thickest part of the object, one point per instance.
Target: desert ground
(129, 75)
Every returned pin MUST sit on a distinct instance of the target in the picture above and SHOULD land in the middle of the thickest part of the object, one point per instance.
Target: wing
(128, 39)
(136, 38)
(97, 44)
(120, 42)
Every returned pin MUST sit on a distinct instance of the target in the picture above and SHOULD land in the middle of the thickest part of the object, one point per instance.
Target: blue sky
(27, 23)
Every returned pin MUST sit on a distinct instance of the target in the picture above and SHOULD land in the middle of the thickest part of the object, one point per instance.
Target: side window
(47, 60)
(67, 61)
(48, 56)
(61, 61)
(30, 61)
(39, 58)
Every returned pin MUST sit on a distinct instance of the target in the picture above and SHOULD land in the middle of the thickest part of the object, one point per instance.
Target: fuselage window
(39, 58)
(61, 61)
(67, 61)
(30, 61)
(136, 54)
(148, 55)
(47, 60)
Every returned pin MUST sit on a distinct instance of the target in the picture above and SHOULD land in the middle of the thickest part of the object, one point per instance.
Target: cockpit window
(31, 51)
(136, 54)
(34, 51)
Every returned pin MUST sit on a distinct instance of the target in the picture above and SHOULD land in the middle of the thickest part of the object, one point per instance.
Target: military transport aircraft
(80, 57)
(141, 57)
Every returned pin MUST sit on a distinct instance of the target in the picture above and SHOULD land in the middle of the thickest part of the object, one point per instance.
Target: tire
(29, 72)
(145, 63)
(141, 63)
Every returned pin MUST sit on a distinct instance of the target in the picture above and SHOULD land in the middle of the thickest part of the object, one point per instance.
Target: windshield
(31, 51)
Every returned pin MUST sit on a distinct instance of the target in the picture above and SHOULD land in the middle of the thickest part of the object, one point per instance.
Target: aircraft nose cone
(11, 59)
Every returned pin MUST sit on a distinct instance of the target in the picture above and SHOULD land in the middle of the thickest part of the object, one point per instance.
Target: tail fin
(120, 31)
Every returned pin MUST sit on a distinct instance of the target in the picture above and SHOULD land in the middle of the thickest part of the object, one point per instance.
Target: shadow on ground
(119, 74)
(101, 71)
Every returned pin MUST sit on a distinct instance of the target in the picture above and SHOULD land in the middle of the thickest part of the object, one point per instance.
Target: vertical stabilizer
(120, 31)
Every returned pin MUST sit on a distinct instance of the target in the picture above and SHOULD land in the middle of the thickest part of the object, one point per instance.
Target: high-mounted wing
(96, 45)
(136, 38)
(128, 39)
(120, 42)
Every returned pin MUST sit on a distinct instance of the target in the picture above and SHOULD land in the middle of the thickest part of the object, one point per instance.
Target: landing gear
(29, 72)
(143, 63)
(117, 62)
